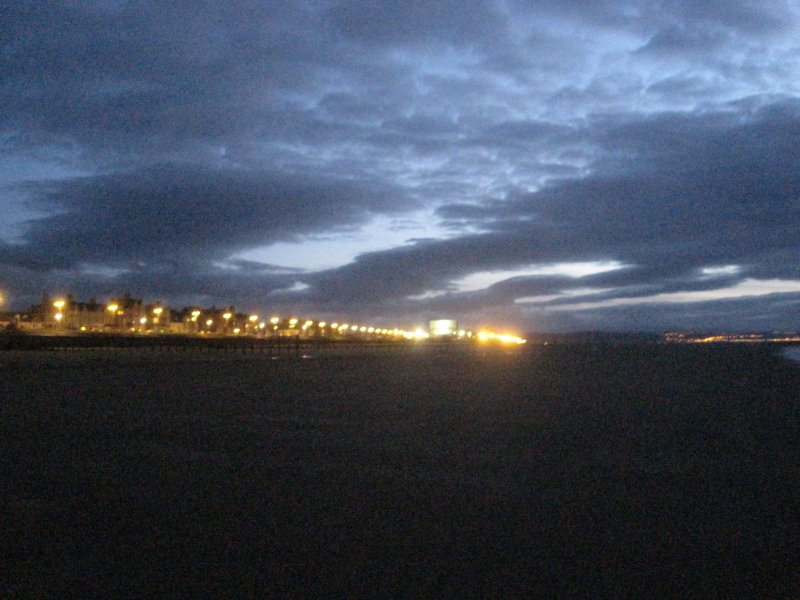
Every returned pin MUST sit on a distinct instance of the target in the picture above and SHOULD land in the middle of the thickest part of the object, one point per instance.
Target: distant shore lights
(490, 336)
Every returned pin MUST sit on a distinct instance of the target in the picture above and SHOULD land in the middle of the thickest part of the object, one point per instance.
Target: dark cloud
(696, 192)
(185, 214)
(144, 145)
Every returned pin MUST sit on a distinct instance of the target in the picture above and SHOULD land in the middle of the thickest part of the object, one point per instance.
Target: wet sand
(572, 471)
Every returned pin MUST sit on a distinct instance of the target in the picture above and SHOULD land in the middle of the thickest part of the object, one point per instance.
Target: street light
(58, 304)
(113, 307)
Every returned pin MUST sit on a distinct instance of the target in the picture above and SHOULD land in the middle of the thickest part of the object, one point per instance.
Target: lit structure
(442, 327)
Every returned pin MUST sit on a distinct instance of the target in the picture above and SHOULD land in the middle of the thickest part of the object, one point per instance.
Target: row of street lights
(254, 325)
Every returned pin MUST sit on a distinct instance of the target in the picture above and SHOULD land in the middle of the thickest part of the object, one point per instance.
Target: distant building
(126, 313)
(156, 318)
(67, 313)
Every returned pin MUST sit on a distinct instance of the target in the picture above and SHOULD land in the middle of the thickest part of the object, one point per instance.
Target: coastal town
(131, 316)
(128, 315)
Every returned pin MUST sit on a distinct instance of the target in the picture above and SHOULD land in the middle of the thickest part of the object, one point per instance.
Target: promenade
(293, 345)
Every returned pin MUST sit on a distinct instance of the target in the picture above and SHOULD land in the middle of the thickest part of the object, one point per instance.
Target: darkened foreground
(573, 471)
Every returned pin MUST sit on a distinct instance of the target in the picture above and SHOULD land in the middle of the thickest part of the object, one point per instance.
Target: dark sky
(555, 165)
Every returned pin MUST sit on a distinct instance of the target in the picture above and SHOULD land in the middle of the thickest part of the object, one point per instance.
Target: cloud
(684, 193)
(182, 214)
(163, 144)
(410, 21)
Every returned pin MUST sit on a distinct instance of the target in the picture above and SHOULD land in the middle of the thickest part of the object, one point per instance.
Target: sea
(792, 353)
(559, 471)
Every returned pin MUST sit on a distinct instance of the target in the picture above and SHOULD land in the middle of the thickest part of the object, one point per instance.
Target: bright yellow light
(210, 322)
(512, 339)
(262, 325)
(59, 304)
(370, 329)
(322, 324)
(274, 320)
(353, 327)
(484, 336)
(195, 313)
(143, 320)
(58, 317)
(253, 318)
(112, 307)
(158, 310)
(83, 327)
(227, 316)
(362, 328)
(236, 330)
(194, 318)
(292, 322)
(309, 323)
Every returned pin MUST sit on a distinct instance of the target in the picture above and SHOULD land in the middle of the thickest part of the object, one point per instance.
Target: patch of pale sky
(102, 271)
(317, 254)
(297, 286)
(747, 288)
(15, 173)
(484, 279)
(563, 294)
(721, 271)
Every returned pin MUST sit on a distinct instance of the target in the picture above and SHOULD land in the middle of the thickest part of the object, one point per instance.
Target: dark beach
(583, 471)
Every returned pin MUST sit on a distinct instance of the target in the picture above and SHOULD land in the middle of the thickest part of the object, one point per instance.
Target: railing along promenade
(292, 345)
